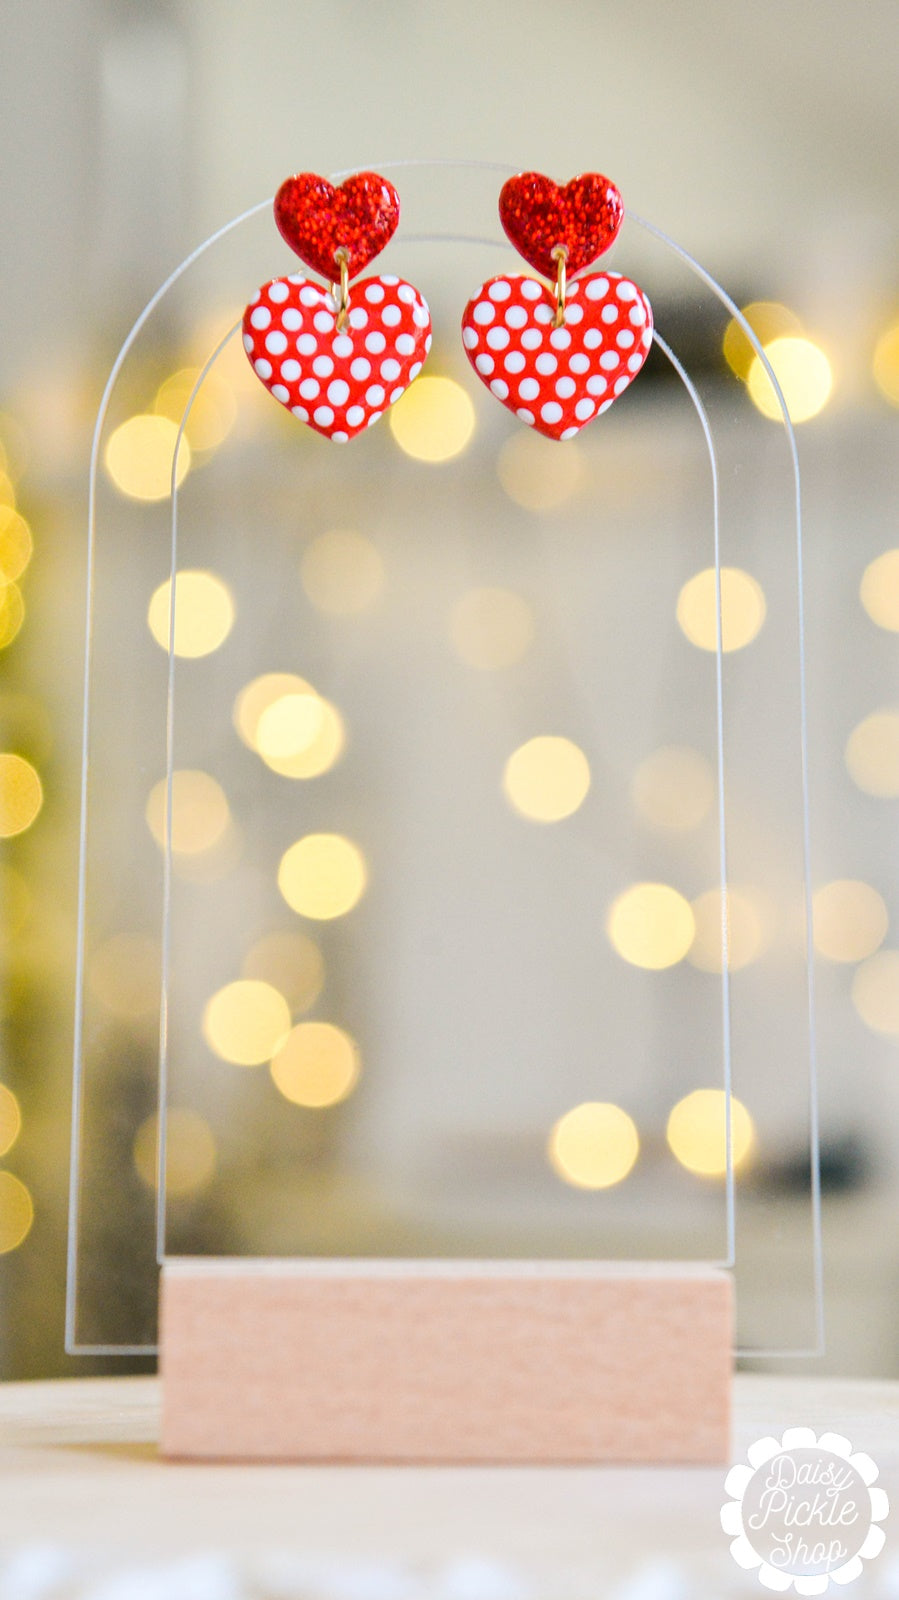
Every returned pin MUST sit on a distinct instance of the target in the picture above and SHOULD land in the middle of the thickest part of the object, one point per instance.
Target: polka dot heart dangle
(334, 358)
(559, 356)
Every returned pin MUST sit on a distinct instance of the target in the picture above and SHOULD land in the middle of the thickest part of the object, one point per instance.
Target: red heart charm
(318, 219)
(539, 215)
(557, 379)
(338, 382)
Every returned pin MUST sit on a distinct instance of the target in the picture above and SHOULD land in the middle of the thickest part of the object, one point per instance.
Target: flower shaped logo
(804, 1511)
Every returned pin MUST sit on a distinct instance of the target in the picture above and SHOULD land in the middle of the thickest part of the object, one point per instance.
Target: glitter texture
(316, 219)
(539, 215)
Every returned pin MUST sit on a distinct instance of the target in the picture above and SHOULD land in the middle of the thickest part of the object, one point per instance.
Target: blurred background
(446, 903)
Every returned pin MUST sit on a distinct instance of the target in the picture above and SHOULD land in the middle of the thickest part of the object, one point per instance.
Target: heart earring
(337, 359)
(560, 356)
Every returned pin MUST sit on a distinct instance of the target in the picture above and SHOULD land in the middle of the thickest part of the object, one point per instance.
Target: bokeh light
(279, 710)
(139, 457)
(491, 628)
(651, 925)
(674, 788)
(743, 609)
(317, 1065)
(300, 735)
(434, 420)
(292, 963)
(803, 372)
(21, 794)
(535, 474)
(697, 1133)
(744, 931)
(320, 756)
(10, 1119)
(256, 697)
(212, 415)
(850, 920)
(16, 1213)
(322, 876)
(125, 975)
(872, 753)
(768, 320)
(594, 1145)
(875, 992)
(342, 573)
(189, 1152)
(885, 364)
(12, 613)
(547, 778)
(7, 490)
(879, 590)
(200, 812)
(290, 724)
(204, 613)
(16, 544)
(246, 1022)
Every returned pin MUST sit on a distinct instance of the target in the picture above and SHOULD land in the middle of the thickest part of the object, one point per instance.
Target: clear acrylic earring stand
(475, 975)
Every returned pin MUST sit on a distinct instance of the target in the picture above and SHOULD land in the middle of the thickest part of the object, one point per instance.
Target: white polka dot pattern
(339, 383)
(558, 379)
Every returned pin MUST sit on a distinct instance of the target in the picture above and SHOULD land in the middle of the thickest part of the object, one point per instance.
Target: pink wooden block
(446, 1361)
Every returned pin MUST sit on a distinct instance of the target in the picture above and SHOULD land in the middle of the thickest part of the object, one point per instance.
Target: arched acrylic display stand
(475, 973)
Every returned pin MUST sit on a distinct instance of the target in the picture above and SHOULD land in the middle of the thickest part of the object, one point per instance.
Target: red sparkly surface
(317, 219)
(337, 381)
(539, 215)
(558, 379)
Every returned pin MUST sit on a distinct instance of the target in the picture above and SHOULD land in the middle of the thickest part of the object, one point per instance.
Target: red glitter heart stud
(538, 216)
(317, 219)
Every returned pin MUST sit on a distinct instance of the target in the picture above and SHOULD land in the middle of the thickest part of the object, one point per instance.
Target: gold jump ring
(560, 257)
(342, 258)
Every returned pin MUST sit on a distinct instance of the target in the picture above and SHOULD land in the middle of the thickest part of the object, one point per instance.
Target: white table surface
(88, 1509)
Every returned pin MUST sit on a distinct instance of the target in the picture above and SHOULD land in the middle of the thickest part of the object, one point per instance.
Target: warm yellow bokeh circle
(322, 876)
(879, 590)
(21, 794)
(872, 753)
(547, 778)
(139, 456)
(674, 788)
(434, 420)
(189, 1152)
(594, 1146)
(200, 811)
(10, 1119)
(803, 372)
(651, 925)
(246, 1022)
(875, 992)
(850, 920)
(16, 1212)
(768, 320)
(697, 1132)
(291, 962)
(743, 609)
(204, 613)
(317, 1065)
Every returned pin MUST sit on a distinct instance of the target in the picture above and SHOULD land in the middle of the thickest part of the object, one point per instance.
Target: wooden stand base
(446, 1361)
